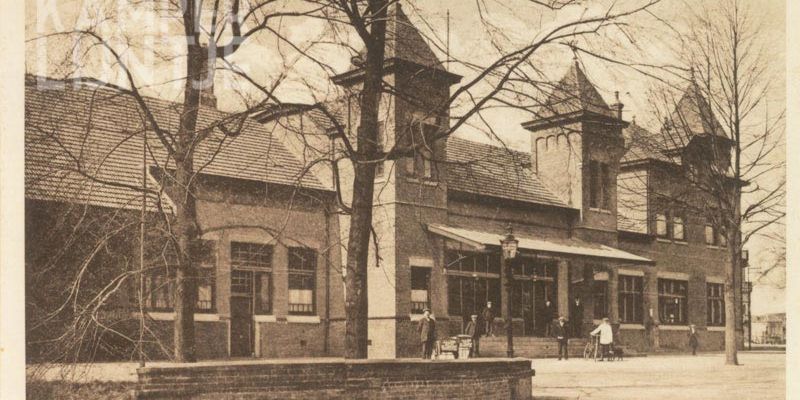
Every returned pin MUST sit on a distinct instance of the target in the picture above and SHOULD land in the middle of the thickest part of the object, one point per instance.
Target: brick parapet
(338, 379)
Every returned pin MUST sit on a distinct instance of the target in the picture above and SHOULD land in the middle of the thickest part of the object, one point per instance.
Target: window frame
(675, 217)
(712, 299)
(255, 266)
(668, 295)
(306, 271)
(461, 267)
(657, 220)
(418, 307)
(631, 299)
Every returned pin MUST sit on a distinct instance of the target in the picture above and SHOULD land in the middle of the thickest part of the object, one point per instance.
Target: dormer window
(599, 185)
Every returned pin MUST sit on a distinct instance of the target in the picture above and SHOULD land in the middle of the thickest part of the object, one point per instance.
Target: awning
(575, 247)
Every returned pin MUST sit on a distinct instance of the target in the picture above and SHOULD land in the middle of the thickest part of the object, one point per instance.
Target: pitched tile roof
(85, 144)
(641, 144)
(487, 170)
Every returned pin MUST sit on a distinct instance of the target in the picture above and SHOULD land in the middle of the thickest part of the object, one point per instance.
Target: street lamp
(509, 245)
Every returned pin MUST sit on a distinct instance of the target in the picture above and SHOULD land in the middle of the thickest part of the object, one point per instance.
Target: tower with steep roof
(577, 143)
(411, 191)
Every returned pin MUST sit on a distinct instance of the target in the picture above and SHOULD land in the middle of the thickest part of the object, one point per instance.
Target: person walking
(488, 318)
(474, 332)
(606, 338)
(693, 343)
(560, 332)
(427, 333)
(576, 317)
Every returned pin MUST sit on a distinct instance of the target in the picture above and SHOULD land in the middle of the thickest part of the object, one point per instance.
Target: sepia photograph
(397, 199)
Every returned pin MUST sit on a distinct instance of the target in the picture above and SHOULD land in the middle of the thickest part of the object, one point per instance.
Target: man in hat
(606, 338)
(560, 332)
(475, 333)
(488, 318)
(427, 333)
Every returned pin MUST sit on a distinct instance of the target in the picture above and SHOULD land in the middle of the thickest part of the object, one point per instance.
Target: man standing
(606, 338)
(560, 331)
(693, 339)
(488, 318)
(576, 317)
(475, 333)
(427, 333)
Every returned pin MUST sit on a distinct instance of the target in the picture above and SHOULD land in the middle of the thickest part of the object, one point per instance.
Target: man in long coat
(474, 332)
(560, 331)
(427, 333)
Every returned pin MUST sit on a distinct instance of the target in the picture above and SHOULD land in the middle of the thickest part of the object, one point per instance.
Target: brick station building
(581, 203)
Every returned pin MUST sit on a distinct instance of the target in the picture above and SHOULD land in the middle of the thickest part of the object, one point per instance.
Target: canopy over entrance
(574, 247)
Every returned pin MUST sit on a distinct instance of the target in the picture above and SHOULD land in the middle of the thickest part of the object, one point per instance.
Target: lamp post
(509, 245)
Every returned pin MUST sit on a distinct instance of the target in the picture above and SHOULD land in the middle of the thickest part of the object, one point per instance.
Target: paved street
(761, 376)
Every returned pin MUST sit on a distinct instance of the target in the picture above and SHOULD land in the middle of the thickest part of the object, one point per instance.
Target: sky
(649, 39)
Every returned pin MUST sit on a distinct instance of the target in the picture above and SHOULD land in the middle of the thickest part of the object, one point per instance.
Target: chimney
(618, 105)
(206, 84)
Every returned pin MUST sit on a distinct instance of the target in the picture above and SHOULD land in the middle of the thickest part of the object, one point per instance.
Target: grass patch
(62, 390)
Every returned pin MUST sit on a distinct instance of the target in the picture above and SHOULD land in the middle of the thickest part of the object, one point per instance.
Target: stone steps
(537, 347)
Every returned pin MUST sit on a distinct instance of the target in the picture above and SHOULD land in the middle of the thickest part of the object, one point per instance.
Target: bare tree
(212, 34)
(736, 182)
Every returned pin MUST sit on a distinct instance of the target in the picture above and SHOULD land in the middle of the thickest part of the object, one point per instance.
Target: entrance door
(524, 305)
(241, 313)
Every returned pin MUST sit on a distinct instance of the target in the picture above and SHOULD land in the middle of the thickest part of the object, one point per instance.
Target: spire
(575, 93)
(693, 115)
(405, 44)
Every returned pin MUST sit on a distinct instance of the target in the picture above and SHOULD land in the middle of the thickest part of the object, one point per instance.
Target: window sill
(170, 316)
(303, 319)
(665, 327)
(663, 240)
(265, 318)
(715, 328)
(631, 326)
(716, 247)
(424, 181)
(600, 210)
(680, 242)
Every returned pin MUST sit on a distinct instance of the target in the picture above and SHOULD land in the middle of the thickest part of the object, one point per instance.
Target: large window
(672, 304)
(715, 311)
(159, 285)
(600, 299)
(420, 289)
(599, 185)
(630, 299)
(473, 279)
(302, 280)
(251, 275)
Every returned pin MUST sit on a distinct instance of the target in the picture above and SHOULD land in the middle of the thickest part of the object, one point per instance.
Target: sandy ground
(761, 375)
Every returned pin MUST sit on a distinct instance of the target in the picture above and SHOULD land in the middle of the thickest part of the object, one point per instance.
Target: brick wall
(339, 379)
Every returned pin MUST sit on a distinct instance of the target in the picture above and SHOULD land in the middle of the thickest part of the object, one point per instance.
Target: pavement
(761, 376)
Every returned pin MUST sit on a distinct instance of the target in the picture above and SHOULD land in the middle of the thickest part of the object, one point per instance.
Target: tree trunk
(732, 282)
(186, 228)
(356, 308)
